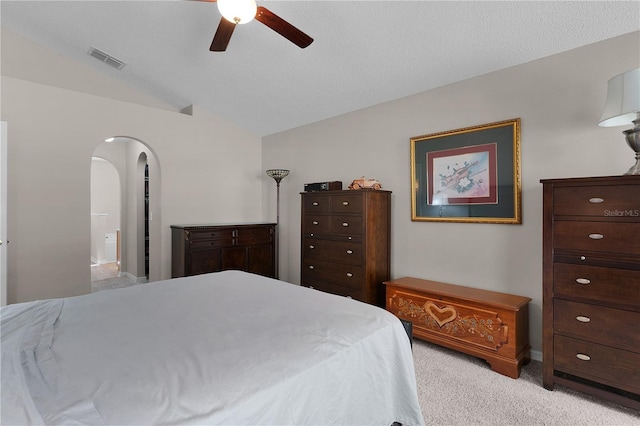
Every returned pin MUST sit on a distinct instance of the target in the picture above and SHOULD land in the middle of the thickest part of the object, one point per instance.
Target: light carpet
(457, 389)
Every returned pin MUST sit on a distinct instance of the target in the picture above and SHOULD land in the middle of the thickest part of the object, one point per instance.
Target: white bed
(224, 348)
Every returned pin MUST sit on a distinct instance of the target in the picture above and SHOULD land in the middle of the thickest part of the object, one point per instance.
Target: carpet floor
(458, 389)
(107, 276)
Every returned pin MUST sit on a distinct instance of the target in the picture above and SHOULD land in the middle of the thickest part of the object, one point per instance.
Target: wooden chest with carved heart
(487, 324)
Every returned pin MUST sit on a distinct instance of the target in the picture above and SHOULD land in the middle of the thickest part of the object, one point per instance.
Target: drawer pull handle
(311, 267)
(583, 258)
(582, 318)
(349, 251)
(315, 203)
(311, 235)
(596, 200)
(312, 247)
(345, 203)
(345, 224)
(349, 274)
(583, 357)
(315, 222)
(596, 236)
(583, 281)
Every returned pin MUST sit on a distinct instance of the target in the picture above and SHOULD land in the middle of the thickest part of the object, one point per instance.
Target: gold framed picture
(468, 175)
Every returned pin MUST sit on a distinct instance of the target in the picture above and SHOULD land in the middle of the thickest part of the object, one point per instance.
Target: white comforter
(224, 348)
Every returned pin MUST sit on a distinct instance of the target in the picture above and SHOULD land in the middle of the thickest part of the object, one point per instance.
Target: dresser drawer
(312, 203)
(332, 237)
(601, 324)
(211, 244)
(599, 284)
(351, 225)
(337, 224)
(342, 252)
(336, 289)
(599, 363)
(597, 236)
(215, 234)
(316, 224)
(253, 235)
(319, 270)
(346, 203)
(605, 201)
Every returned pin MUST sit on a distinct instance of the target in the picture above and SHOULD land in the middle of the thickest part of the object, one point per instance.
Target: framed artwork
(467, 175)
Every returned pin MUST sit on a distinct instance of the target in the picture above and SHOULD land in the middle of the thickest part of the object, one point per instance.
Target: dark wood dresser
(591, 279)
(346, 242)
(200, 249)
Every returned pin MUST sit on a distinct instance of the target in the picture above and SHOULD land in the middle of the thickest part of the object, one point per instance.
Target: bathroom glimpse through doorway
(105, 219)
(137, 171)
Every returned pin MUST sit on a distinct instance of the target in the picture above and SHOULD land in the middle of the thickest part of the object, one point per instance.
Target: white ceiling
(364, 53)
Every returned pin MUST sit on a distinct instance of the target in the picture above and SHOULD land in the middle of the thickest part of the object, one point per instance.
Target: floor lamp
(277, 175)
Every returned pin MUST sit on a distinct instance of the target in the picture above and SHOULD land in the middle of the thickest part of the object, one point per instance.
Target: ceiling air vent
(106, 58)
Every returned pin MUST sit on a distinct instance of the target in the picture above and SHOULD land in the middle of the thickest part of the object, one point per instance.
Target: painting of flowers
(463, 175)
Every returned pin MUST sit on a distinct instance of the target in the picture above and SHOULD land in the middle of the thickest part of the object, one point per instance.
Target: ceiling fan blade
(223, 35)
(283, 28)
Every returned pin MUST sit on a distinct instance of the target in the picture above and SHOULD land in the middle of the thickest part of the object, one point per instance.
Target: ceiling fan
(243, 11)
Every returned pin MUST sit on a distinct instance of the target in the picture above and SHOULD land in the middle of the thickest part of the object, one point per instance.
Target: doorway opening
(133, 196)
(105, 220)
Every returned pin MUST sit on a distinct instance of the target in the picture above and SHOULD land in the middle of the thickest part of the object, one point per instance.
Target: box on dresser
(334, 185)
(591, 286)
(346, 242)
(200, 249)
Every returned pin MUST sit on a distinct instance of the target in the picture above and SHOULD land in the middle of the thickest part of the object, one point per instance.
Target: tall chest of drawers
(591, 286)
(345, 245)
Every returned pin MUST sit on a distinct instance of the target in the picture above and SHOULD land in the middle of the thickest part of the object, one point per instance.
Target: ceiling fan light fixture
(238, 11)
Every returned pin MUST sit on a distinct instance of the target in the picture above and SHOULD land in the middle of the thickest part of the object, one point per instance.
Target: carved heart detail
(441, 315)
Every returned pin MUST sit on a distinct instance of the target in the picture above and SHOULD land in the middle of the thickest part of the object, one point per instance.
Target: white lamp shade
(238, 11)
(623, 99)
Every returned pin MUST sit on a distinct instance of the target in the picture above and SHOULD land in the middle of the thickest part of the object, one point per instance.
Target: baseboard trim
(133, 278)
(536, 355)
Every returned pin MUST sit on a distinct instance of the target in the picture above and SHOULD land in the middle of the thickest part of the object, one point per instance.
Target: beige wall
(210, 171)
(559, 100)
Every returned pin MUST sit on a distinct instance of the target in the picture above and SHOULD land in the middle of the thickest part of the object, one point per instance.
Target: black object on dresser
(200, 249)
(591, 278)
(346, 242)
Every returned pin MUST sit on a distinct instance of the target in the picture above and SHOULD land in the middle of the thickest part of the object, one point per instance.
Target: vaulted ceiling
(364, 52)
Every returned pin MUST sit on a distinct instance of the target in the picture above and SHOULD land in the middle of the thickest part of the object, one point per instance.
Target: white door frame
(3, 213)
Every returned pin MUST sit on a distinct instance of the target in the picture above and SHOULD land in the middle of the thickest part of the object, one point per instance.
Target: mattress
(221, 348)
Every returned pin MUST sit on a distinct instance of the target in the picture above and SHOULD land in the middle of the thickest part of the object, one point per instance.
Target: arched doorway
(139, 172)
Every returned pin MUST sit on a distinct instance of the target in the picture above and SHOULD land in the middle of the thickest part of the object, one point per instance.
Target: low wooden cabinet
(200, 249)
(346, 242)
(591, 286)
(487, 324)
